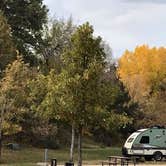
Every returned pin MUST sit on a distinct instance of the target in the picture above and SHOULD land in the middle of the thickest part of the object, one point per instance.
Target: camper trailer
(149, 143)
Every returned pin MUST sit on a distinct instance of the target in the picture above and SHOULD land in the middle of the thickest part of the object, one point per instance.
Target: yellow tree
(13, 96)
(142, 70)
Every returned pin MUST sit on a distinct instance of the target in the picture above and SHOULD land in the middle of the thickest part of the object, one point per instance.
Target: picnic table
(119, 160)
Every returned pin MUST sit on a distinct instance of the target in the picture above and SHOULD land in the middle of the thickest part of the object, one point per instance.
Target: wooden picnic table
(115, 160)
(119, 159)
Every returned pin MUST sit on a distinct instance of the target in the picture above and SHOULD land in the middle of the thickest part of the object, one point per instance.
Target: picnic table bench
(110, 163)
(119, 160)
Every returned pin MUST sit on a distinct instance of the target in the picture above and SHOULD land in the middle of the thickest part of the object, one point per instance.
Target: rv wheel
(158, 156)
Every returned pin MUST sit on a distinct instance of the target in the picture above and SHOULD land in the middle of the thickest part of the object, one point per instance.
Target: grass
(29, 156)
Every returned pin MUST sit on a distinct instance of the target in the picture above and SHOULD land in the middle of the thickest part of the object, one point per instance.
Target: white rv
(149, 143)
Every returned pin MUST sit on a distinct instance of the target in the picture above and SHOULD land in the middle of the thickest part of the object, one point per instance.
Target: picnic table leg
(124, 162)
(134, 161)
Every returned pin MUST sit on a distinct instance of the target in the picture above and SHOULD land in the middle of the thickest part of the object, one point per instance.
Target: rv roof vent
(158, 127)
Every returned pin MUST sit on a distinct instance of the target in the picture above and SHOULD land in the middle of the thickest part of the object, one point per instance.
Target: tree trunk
(1, 127)
(0, 141)
(72, 143)
(80, 147)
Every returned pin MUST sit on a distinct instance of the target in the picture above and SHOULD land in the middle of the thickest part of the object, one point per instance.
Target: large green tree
(84, 64)
(6, 44)
(73, 94)
(77, 94)
(26, 19)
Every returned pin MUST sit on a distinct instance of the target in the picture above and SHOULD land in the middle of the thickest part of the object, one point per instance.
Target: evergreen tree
(6, 44)
(26, 19)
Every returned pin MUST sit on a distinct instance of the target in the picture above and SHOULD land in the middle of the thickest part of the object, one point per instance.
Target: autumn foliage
(71, 83)
(143, 73)
(143, 70)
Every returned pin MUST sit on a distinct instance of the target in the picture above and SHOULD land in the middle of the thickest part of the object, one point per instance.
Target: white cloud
(122, 23)
(144, 1)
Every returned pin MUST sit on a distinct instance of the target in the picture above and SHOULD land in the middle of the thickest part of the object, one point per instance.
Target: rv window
(130, 140)
(144, 140)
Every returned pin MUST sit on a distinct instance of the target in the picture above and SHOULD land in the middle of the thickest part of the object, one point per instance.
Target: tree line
(58, 80)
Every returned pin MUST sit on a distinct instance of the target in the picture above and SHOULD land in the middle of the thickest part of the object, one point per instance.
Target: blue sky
(124, 24)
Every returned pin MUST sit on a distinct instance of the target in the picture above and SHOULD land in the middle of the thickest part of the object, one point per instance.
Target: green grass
(30, 156)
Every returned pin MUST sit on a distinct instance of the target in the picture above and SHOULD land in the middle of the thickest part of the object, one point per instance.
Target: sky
(123, 24)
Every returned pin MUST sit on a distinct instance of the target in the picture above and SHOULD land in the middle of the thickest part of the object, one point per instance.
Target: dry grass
(29, 156)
